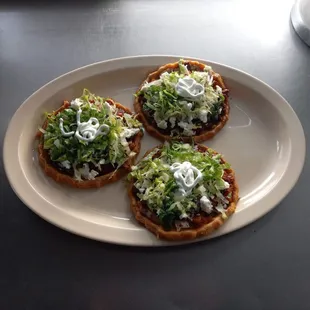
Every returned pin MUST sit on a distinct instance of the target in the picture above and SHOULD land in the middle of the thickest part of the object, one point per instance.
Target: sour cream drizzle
(187, 87)
(187, 177)
(85, 131)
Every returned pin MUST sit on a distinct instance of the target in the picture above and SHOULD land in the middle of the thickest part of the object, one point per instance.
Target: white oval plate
(258, 141)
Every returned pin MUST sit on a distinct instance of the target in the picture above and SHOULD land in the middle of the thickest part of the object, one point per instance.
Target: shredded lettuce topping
(180, 115)
(86, 157)
(157, 187)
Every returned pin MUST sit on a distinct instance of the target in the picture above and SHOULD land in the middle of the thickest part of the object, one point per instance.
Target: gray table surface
(262, 266)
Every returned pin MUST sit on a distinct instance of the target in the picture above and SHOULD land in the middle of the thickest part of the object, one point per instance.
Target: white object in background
(300, 17)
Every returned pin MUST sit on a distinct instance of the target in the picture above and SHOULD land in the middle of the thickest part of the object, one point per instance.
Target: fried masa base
(186, 234)
(58, 176)
(207, 133)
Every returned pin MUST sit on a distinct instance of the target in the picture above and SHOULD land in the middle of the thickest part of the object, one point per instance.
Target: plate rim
(117, 239)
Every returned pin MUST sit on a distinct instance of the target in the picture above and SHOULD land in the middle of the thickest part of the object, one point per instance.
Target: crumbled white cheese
(226, 185)
(183, 216)
(89, 175)
(221, 185)
(203, 116)
(141, 189)
(188, 132)
(187, 105)
(101, 161)
(206, 204)
(162, 124)
(84, 172)
(93, 174)
(125, 134)
(187, 128)
(183, 124)
(157, 117)
(65, 164)
(218, 89)
(172, 120)
(76, 103)
(129, 132)
(179, 225)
